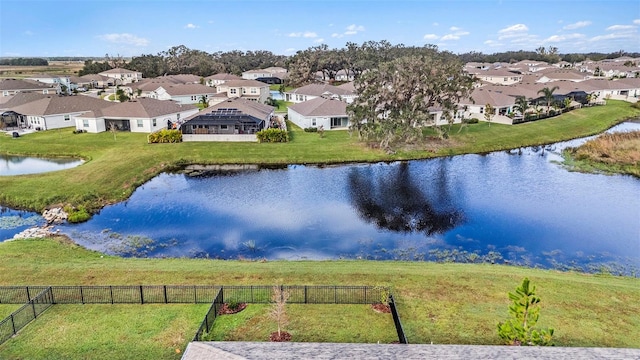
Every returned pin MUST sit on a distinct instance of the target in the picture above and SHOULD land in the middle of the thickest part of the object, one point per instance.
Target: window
(254, 91)
(154, 122)
(244, 91)
(232, 91)
(85, 123)
(178, 116)
(140, 123)
(223, 127)
(67, 118)
(313, 122)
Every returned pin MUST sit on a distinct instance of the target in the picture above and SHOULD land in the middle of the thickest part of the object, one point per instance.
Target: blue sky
(136, 27)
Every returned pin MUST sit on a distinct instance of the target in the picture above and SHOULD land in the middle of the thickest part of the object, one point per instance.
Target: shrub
(472, 121)
(77, 214)
(272, 135)
(310, 129)
(524, 311)
(165, 136)
(233, 304)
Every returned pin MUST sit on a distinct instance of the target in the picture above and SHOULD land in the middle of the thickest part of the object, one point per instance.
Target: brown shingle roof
(320, 89)
(55, 104)
(320, 107)
(18, 84)
(145, 108)
(187, 89)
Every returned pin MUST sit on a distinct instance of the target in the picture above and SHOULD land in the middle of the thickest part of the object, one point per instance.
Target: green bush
(310, 129)
(77, 214)
(472, 121)
(233, 304)
(272, 135)
(165, 136)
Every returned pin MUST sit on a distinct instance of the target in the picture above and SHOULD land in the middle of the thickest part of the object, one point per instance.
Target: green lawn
(116, 166)
(308, 323)
(439, 303)
(7, 309)
(107, 332)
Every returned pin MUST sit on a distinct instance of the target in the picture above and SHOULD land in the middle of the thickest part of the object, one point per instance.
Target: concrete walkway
(289, 351)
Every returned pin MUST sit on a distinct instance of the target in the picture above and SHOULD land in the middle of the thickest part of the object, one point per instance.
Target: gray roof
(223, 76)
(18, 84)
(119, 71)
(321, 89)
(144, 108)
(244, 83)
(320, 107)
(247, 107)
(56, 104)
(226, 350)
(187, 89)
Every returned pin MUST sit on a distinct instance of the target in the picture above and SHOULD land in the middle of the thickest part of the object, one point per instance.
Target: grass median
(439, 303)
(117, 164)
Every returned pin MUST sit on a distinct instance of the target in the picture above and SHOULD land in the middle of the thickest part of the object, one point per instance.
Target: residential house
(183, 93)
(248, 89)
(344, 75)
(236, 119)
(46, 112)
(10, 87)
(498, 76)
(312, 91)
(474, 107)
(98, 81)
(566, 75)
(218, 79)
(140, 115)
(122, 76)
(55, 80)
(327, 113)
(264, 73)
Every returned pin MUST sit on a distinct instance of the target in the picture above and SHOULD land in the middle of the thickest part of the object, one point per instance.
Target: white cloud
(577, 25)
(561, 38)
(514, 28)
(289, 50)
(435, 24)
(457, 33)
(431, 37)
(620, 27)
(124, 38)
(492, 43)
(307, 34)
(352, 29)
(636, 21)
(319, 40)
(190, 26)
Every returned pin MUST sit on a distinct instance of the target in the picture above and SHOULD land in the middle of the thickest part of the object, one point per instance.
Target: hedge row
(272, 135)
(165, 136)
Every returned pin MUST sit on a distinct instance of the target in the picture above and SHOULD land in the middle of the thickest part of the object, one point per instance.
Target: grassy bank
(439, 303)
(115, 167)
(617, 153)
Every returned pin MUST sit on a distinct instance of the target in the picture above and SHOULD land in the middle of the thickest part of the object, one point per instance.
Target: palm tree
(522, 105)
(548, 95)
(204, 101)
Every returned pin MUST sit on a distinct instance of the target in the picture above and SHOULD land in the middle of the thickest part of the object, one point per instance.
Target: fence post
(28, 295)
(305, 294)
(111, 292)
(206, 322)
(335, 294)
(81, 296)
(13, 325)
(165, 294)
(53, 300)
(251, 293)
(33, 307)
(195, 295)
(141, 296)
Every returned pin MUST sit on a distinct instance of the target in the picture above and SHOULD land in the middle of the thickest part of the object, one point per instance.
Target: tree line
(24, 62)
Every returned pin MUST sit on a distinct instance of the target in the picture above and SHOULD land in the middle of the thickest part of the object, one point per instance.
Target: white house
(141, 115)
(122, 76)
(497, 76)
(322, 112)
(312, 91)
(248, 89)
(46, 112)
(218, 79)
(10, 87)
(183, 93)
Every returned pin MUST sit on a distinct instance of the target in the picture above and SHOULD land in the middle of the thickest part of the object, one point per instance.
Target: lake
(519, 207)
(22, 165)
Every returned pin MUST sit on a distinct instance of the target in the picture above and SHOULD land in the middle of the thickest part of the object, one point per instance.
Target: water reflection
(395, 202)
(22, 165)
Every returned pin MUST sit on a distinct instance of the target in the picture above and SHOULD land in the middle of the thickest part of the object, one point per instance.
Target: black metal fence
(119, 294)
(396, 320)
(38, 298)
(28, 312)
(210, 317)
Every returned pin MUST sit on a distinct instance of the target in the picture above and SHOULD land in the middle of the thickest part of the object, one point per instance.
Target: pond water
(517, 206)
(22, 165)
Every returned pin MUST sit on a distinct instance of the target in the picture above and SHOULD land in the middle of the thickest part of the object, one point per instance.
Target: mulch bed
(226, 310)
(381, 308)
(284, 336)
